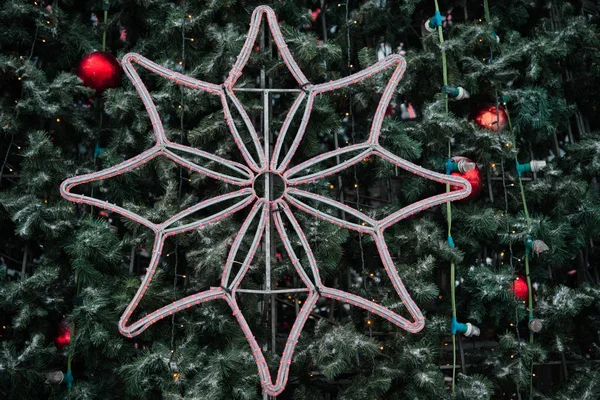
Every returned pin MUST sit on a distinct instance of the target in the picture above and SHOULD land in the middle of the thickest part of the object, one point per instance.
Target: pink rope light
(265, 209)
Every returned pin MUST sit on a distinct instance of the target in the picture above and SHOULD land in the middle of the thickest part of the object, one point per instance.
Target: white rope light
(264, 208)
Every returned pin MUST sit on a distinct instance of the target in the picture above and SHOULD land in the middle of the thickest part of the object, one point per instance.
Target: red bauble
(474, 178)
(100, 71)
(487, 118)
(519, 288)
(63, 336)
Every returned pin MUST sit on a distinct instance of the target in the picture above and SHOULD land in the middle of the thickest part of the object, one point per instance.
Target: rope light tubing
(262, 207)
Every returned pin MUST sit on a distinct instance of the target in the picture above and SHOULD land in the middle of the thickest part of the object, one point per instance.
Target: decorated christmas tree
(299, 200)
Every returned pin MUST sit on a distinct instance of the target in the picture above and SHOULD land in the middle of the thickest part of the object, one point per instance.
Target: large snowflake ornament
(263, 167)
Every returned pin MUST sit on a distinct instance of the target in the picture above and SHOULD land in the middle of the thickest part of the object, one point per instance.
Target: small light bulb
(356, 185)
(190, 16)
(19, 78)
(44, 40)
(57, 119)
(192, 39)
(381, 348)
(331, 186)
(369, 322)
(48, 22)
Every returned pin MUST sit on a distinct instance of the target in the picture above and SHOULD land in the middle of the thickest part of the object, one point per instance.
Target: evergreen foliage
(547, 66)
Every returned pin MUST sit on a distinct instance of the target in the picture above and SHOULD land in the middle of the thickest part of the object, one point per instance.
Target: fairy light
(260, 212)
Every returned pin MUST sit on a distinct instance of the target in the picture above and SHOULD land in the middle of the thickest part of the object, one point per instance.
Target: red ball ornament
(519, 288)
(473, 176)
(487, 118)
(100, 71)
(63, 337)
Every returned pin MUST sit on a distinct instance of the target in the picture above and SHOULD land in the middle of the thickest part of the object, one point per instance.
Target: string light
(57, 119)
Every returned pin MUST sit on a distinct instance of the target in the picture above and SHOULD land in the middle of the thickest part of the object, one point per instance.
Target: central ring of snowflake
(267, 166)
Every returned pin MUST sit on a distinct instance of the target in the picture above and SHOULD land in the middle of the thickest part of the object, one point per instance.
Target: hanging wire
(525, 210)
(12, 135)
(69, 378)
(180, 187)
(356, 186)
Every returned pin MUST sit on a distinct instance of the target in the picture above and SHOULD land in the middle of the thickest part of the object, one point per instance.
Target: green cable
(486, 7)
(448, 205)
(527, 218)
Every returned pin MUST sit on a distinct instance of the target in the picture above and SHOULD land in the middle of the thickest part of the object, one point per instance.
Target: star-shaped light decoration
(266, 210)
